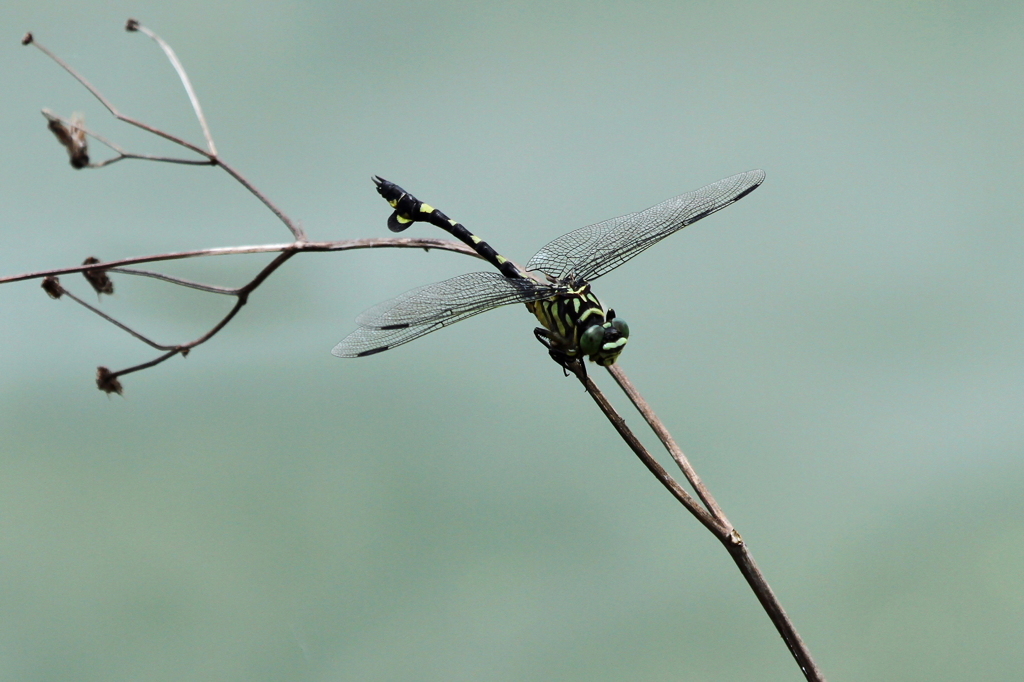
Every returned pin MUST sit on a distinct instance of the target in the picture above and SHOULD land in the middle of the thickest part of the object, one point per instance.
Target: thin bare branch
(645, 456)
(299, 247)
(179, 281)
(749, 569)
(112, 376)
(296, 229)
(666, 438)
(210, 156)
(150, 157)
(726, 533)
(134, 25)
(121, 153)
(242, 296)
(116, 323)
(110, 107)
(285, 251)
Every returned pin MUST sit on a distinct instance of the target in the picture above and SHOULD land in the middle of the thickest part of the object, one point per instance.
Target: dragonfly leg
(563, 359)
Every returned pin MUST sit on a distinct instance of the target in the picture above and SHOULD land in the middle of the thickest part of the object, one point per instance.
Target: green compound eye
(592, 340)
(620, 324)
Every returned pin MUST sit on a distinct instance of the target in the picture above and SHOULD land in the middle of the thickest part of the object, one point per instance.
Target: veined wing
(589, 252)
(432, 307)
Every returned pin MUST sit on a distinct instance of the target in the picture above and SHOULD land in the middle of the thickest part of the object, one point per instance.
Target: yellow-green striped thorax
(576, 322)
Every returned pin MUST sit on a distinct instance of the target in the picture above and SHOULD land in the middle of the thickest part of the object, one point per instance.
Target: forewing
(589, 252)
(432, 307)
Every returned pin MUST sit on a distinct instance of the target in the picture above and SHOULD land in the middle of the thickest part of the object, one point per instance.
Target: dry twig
(73, 136)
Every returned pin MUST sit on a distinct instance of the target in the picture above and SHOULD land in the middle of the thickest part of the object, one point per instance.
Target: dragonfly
(554, 286)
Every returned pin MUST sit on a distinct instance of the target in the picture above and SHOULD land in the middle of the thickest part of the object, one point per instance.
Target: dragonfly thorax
(577, 324)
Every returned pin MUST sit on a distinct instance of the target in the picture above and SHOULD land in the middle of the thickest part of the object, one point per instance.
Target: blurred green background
(840, 354)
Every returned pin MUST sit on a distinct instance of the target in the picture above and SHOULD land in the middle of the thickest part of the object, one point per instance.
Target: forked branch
(210, 154)
(424, 310)
(718, 524)
(52, 285)
(73, 135)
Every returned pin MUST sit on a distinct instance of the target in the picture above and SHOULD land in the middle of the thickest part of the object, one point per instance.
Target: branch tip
(132, 25)
(107, 381)
(72, 137)
(51, 285)
(27, 40)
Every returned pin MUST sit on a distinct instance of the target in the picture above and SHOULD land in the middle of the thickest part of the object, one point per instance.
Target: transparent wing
(432, 307)
(589, 252)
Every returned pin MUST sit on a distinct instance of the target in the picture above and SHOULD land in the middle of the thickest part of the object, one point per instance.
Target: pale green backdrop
(840, 353)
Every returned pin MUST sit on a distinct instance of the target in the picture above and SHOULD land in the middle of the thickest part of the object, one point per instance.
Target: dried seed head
(51, 285)
(98, 279)
(72, 136)
(132, 25)
(107, 382)
(58, 128)
(79, 151)
(27, 40)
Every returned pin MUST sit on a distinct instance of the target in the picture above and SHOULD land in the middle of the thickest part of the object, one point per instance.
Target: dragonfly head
(604, 342)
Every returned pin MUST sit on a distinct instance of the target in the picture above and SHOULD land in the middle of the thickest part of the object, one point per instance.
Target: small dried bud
(132, 25)
(72, 136)
(79, 150)
(107, 382)
(98, 279)
(57, 127)
(51, 285)
(27, 40)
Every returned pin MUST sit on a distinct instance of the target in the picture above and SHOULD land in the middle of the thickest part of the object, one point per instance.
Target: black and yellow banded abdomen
(409, 210)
